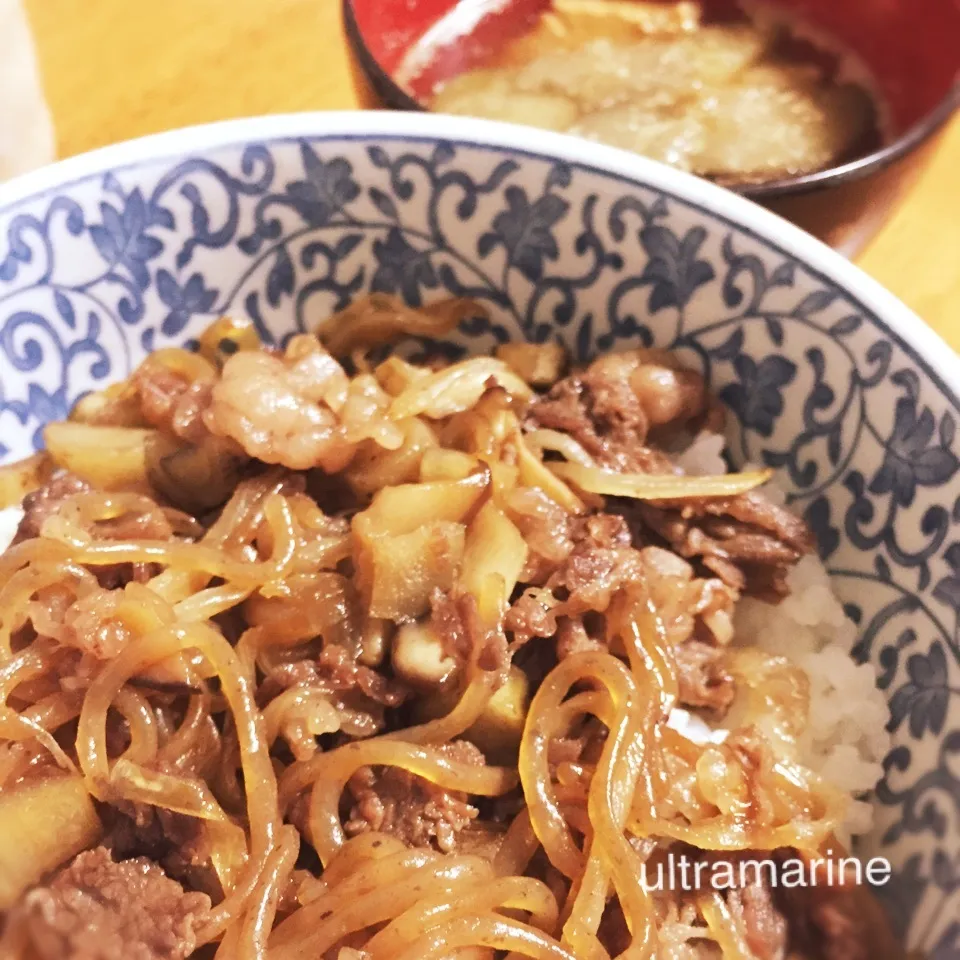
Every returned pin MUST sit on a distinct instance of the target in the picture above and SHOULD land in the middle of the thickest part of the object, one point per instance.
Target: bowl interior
(284, 222)
(910, 48)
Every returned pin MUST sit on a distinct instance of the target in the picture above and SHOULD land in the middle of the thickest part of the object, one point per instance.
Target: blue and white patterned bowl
(285, 219)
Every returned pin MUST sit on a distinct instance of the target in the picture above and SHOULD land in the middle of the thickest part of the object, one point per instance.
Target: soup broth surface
(744, 99)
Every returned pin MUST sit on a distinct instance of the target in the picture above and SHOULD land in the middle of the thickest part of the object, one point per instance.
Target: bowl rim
(925, 346)
(908, 141)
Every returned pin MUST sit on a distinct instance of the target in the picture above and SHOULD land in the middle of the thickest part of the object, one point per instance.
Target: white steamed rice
(846, 739)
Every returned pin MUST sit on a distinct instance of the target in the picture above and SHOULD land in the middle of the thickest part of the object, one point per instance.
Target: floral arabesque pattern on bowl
(95, 274)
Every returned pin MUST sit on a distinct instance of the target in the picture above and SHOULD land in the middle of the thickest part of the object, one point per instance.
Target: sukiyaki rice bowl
(427, 538)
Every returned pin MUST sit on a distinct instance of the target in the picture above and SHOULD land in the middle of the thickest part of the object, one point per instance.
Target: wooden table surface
(115, 69)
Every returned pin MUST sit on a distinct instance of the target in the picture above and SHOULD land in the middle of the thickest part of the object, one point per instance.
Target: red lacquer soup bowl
(911, 47)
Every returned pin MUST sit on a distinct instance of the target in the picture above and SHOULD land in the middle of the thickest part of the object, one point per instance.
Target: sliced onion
(656, 486)
(456, 389)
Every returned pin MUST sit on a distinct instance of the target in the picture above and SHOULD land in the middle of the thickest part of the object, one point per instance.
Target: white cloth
(26, 128)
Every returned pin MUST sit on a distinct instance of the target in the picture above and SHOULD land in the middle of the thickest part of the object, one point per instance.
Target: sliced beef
(481, 838)
(751, 899)
(546, 529)
(583, 745)
(839, 921)
(697, 613)
(601, 531)
(764, 926)
(589, 554)
(697, 616)
(590, 560)
(573, 638)
(842, 933)
(90, 624)
(150, 523)
(99, 909)
(566, 408)
(358, 693)
(553, 535)
(688, 605)
(416, 811)
(45, 502)
(613, 931)
(175, 841)
(335, 671)
(702, 677)
(608, 426)
(610, 408)
(596, 569)
(752, 555)
(531, 615)
(172, 402)
(755, 510)
(24, 762)
(454, 618)
(339, 672)
(159, 389)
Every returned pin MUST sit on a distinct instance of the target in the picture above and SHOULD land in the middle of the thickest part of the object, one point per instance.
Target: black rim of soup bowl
(395, 97)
